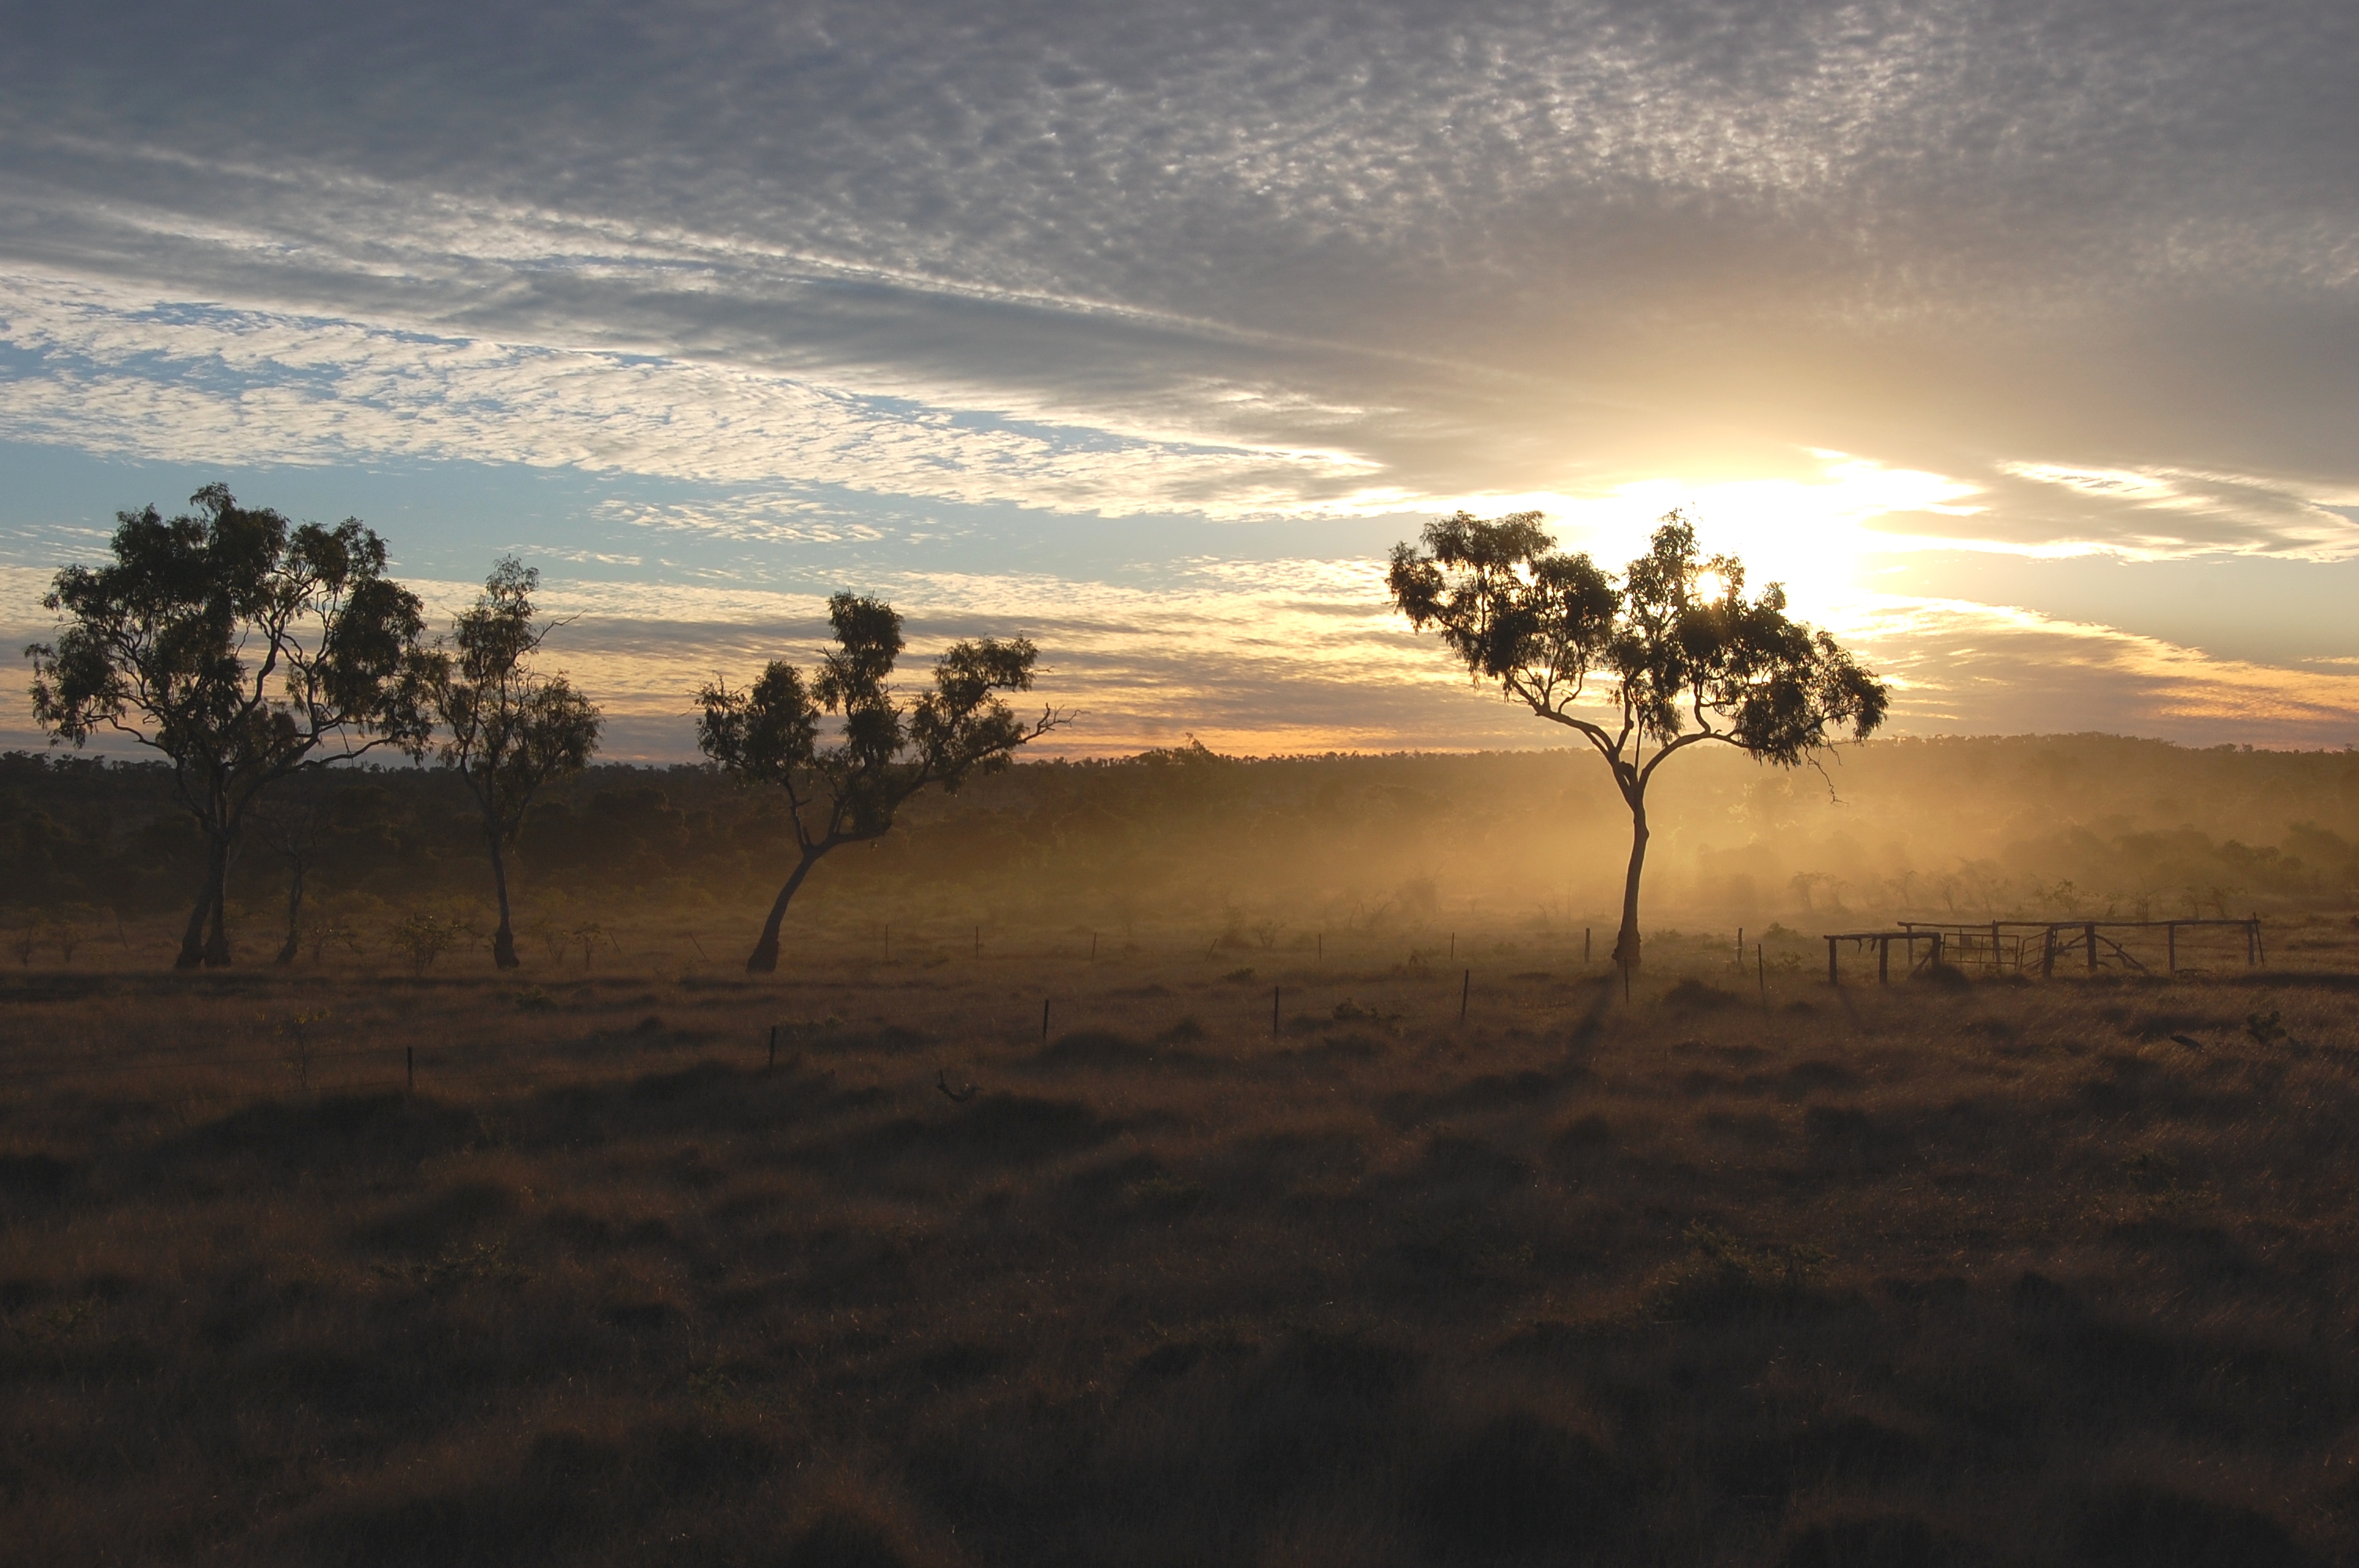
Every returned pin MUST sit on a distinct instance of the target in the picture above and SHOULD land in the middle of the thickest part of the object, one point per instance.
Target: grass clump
(1692, 995)
(1726, 1277)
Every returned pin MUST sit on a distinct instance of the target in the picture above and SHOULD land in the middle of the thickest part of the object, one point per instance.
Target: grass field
(1951, 1271)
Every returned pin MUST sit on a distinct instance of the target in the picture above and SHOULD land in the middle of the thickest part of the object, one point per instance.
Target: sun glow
(1810, 535)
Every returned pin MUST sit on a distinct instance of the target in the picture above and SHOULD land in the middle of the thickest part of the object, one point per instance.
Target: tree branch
(1681, 744)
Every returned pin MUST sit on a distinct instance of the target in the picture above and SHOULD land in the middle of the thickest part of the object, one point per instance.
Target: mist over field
(1187, 845)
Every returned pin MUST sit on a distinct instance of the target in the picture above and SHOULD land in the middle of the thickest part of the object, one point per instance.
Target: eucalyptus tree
(845, 788)
(508, 729)
(1674, 653)
(242, 647)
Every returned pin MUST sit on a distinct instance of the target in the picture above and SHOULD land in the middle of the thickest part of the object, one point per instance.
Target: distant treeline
(1977, 828)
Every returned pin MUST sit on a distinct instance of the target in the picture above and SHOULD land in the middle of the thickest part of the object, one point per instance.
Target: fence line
(1999, 945)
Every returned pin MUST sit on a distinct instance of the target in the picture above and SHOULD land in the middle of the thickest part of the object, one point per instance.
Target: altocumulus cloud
(2091, 270)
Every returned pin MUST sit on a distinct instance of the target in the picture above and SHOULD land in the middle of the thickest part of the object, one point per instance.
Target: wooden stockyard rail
(2025, 946)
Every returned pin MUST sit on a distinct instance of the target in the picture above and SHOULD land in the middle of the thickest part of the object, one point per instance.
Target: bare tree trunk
(1626, 946)
(765, 959)
(194, 948)
(294, 917)
(504, 953)
(217, 937)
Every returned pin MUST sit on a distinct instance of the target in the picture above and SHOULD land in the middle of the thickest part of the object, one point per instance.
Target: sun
(1810, 535)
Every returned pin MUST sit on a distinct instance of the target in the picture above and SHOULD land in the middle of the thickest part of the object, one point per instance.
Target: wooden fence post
(1832, 978)
(1883, 960)
(2048, 953)
(1465, 990)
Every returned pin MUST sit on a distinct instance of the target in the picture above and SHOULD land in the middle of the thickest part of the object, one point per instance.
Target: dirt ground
(1241, 1257)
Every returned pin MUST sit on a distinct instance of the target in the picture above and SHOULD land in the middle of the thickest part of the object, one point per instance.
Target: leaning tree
(243, 648)
(1675, 654)
(508, 729)
(846, 791)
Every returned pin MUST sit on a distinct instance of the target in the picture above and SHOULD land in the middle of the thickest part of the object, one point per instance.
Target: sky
(2020, 339)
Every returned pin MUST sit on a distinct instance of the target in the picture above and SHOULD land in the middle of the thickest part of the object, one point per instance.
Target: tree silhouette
(848, 791)
(511, 729)
(294, 828)
(1675, 653)
(240, 647)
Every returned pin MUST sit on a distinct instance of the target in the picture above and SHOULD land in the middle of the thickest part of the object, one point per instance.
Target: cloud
(1407, 250)
(2165, 512)
(206, 383)
(1972, 668)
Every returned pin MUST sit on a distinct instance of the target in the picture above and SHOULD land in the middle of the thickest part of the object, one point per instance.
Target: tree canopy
(1676, 647)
